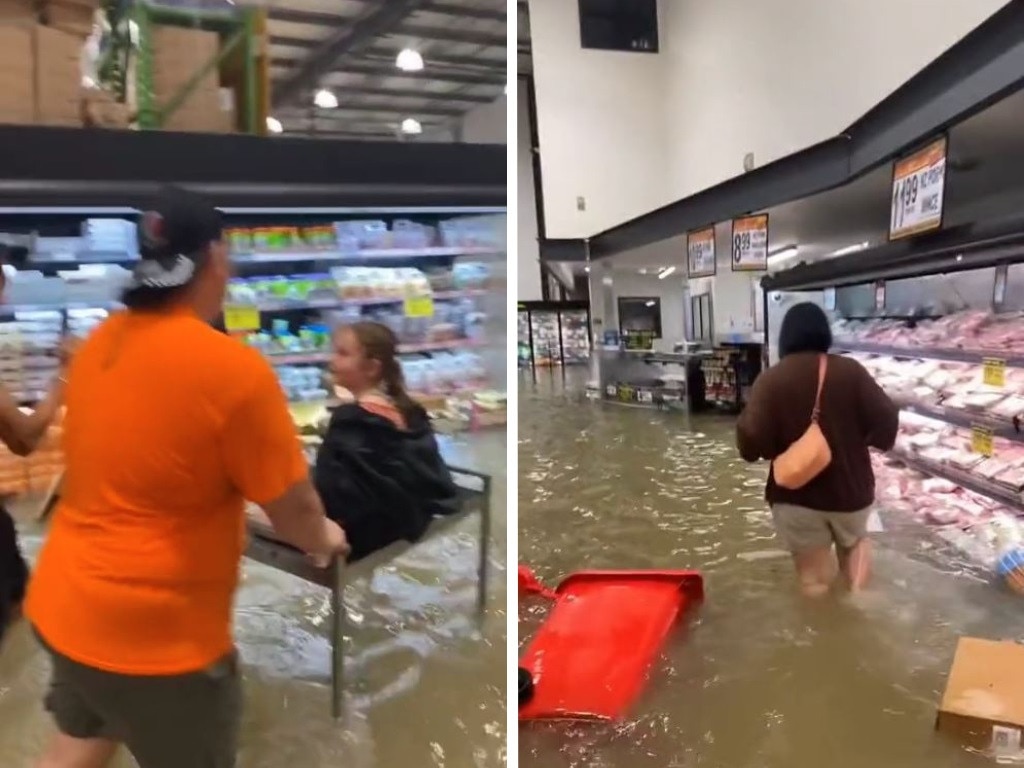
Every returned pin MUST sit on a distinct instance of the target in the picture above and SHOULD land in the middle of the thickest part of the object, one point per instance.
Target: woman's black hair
(805, 328)
(174, 243)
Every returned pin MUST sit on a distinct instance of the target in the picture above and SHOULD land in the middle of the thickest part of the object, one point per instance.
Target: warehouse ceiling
(349, 47)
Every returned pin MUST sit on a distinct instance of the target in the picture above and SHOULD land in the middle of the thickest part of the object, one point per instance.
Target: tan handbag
(809, 455)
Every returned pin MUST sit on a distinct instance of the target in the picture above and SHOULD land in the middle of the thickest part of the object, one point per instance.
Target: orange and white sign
(700, 249)
(918, 187)
(750, 243)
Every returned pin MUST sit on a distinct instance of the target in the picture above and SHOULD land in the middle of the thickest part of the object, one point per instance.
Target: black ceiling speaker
(619, 25)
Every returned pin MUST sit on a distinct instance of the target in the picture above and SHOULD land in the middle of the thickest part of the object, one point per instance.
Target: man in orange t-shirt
(170, 427)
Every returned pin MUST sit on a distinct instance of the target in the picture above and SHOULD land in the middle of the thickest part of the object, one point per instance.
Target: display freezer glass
(524, 338)
(547, 349)
(575, 337)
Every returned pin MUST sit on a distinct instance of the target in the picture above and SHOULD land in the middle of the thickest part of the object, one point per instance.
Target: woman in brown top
(833, 508)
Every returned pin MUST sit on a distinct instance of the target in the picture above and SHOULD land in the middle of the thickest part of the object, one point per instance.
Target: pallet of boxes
(41, 50)
(178, 54)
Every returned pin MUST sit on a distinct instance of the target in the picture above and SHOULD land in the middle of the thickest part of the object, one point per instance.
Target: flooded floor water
(427, 685)
(759, 677)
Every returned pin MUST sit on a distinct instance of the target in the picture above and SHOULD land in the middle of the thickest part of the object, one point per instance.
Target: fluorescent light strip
(666, 272)
(850, 249)
(780, 256)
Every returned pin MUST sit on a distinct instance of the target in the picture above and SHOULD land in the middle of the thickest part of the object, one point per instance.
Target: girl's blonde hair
(380, 343)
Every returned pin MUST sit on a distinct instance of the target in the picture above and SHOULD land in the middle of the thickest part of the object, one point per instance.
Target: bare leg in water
(855, 564)
(68, 752)
(816, 570)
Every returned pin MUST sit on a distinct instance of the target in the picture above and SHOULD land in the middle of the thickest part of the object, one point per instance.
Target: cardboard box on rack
(74, 17)
(58, 77)
(983, 705)
(18, 11)
(17, 88)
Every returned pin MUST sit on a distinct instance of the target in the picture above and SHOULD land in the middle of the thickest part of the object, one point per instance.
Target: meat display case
(940, 324)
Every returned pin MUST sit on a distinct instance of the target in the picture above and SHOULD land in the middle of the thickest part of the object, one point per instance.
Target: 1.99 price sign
(918, 183)
(750, 243)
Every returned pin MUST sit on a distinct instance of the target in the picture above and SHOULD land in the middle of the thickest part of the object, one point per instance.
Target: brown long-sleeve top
(855, 415)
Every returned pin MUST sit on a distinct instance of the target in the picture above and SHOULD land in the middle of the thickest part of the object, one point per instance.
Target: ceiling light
(643, 271)
(325, 99)
(649, 303)
(850, 249)
(274, 125)
(586, 269)
(780, 256)
(411, 125)
(409, 60)
(666, 272)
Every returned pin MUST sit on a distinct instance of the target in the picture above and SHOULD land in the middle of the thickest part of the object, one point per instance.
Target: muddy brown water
(759, 677)
(427, 686)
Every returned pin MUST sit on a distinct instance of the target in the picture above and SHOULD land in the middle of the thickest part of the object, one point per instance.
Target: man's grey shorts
(180, 721)
(802, 529)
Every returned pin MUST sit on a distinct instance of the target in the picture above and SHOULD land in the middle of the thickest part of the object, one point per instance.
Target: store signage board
(239, 318)
(918, 191)
(419, 306)
(993, 372)
(700, 251)
(880, 296)
(830, 299)
(750, 243)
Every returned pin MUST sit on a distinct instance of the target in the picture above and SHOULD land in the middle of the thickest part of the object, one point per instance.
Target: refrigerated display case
(941, 328)
(554, 334)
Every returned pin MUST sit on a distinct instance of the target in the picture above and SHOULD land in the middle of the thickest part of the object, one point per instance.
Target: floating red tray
(590, 658)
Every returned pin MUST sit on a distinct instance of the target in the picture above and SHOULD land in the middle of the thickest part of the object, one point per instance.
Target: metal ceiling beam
(411, 93)
(357, 35)
(461, 11)
(380, 53)
(449, 35)
(385, 109)
(464, 78)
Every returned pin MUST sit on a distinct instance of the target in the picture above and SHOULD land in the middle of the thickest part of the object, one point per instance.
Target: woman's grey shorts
(802, 529)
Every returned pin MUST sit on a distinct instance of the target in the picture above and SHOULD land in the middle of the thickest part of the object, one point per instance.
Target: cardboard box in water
(983, 706)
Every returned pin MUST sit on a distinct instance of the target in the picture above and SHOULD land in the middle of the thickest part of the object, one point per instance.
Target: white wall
(671, 293)
(528, 266)
(631, 132)
(603, 134)
(800, 72)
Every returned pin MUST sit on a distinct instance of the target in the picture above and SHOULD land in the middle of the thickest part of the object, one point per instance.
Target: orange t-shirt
(170, 425)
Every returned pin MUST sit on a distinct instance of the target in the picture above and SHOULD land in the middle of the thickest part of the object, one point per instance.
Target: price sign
(981, 440)
(419, 306)
(879, 295)
(239, 318)
(918, 186)
(610, 390)
(700, 250)
(993, 372)
(750, 243)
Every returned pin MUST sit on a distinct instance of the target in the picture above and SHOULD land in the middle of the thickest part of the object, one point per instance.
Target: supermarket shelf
(1008, 429)
(12, 309)
(382, 254)
(969, 481)
(950, 355)
(290, 305)
(315, 358)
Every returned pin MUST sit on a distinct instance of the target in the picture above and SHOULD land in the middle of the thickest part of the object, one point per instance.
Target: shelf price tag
(239, 318)
(918, 185)
(993, 372)
(750, 243)
(419, 306)
(700, 250)
(981, 440)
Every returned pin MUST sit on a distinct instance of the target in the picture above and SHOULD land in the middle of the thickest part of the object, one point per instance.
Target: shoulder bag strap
(822, 368)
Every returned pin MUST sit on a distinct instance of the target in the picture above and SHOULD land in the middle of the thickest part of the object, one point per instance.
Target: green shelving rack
(242, 53)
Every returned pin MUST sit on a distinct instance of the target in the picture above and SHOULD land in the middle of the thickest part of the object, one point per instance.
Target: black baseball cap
(178, 222)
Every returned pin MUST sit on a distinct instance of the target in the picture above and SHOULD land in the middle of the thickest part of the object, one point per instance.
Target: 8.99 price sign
(750, 243)
(918, 185)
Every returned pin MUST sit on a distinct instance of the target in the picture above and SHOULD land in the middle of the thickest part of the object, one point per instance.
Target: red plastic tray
(590, 658)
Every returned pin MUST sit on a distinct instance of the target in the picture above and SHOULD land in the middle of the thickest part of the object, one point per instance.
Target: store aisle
(762, 679)
(428, 690)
